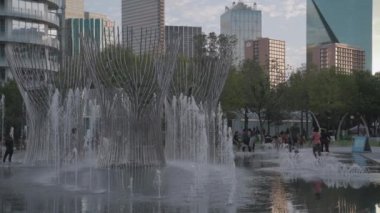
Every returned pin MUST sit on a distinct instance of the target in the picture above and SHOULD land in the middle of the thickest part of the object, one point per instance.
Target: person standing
(325, 141)
(316, 139)
(9, 149)
(246, 139)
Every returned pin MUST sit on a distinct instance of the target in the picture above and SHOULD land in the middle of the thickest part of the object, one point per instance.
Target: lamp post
(352, 120)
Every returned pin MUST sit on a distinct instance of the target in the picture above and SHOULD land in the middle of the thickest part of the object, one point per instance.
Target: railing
(44, 64)
(30, 38)
(31, 14)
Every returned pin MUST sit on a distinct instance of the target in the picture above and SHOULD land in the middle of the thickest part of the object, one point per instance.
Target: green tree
(232, 95)
(256, 90)
(213, 45)
(367, 99)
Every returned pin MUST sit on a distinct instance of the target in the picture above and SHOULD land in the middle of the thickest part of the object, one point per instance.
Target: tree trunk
(261, 127)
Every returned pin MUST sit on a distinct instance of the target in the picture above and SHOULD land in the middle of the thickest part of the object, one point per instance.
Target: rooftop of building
(343, 45)
(183, 26)
(265, 38)
(242, 6)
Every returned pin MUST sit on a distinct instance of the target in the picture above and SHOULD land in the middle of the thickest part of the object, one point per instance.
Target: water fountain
(117, 120)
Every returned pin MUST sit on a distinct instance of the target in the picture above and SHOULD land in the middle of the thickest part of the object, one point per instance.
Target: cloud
(295, 56)
(287, 8)
(205, 13)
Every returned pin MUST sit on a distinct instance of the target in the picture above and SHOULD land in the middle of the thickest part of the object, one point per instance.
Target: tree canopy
(327, 93)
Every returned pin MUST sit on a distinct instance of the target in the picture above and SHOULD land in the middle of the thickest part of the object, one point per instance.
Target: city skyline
(285, 21)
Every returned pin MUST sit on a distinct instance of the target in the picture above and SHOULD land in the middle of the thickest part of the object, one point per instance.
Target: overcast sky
(282, 19)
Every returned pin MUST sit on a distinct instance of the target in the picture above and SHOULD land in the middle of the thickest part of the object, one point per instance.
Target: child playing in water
(316, 140)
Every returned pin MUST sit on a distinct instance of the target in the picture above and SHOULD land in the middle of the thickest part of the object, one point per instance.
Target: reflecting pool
(264, 181)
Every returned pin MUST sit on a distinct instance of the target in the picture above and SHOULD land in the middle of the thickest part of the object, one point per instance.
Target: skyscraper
(242, 21)
(74, 9)
(340, 21)
(186, 37)
(96, 26)
(270, 55)
(147, 16)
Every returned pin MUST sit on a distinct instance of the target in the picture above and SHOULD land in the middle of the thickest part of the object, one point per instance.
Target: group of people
(247, 140)
(293, 138)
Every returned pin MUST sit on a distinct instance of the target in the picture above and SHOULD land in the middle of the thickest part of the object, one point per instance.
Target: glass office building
(97, 27)
(244, 22)
(147, 16)
(29, 22)
(340, 21)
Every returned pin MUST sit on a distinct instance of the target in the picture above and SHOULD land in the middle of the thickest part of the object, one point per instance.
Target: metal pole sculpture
(52, 92)
(2, 123)
(195, 128)
(108, 102)
(132, 81)
(33, 70)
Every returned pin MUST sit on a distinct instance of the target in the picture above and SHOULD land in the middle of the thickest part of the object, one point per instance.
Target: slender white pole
(2, 122)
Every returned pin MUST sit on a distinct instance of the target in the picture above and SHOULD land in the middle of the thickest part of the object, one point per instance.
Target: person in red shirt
(316, 139)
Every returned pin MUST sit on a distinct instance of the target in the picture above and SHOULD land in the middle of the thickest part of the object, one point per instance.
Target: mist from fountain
(326, 168)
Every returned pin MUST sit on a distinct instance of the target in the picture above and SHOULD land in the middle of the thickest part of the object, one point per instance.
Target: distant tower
(244, 22)
(143, 14)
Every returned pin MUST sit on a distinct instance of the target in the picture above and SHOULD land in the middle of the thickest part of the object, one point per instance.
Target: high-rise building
(242, 21)
(344, 58)
(96, 26)
(146, 17)
(28, 22)
(186, 36)
(340, 21)
(270, 55)
(92, 15)
(74, 9)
